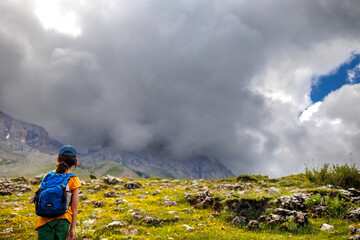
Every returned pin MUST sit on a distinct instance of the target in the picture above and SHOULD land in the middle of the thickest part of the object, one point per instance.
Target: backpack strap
(68, 176)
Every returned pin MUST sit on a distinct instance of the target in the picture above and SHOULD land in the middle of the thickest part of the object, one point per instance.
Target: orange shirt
(74, 183)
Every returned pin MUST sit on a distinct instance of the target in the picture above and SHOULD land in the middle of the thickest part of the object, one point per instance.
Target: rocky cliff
(30, 134)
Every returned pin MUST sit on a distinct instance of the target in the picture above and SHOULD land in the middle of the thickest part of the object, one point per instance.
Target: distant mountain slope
(17, 159)
(164, 165)
(30, 134)
(23, 144)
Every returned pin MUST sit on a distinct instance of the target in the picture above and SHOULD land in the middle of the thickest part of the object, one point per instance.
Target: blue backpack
(53, 198)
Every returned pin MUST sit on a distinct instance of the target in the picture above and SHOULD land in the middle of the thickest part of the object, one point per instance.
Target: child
(58, 228)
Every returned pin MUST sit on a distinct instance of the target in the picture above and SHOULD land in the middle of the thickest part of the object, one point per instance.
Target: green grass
(206, 227)
(339, 175)
(208, 223)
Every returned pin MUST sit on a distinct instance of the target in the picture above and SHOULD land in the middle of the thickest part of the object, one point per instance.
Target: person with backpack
(56, 201)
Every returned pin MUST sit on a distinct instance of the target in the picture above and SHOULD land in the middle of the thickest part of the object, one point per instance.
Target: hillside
(246, 207)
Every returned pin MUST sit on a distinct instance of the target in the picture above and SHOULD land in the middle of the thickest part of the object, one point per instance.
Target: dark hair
(65, 162)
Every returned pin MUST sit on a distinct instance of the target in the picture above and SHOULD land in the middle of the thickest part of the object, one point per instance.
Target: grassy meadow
(102, 204)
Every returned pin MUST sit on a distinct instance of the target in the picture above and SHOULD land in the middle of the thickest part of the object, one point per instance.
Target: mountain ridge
(153, 162)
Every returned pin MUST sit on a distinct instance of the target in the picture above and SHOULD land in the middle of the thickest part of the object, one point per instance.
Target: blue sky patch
(347, 73)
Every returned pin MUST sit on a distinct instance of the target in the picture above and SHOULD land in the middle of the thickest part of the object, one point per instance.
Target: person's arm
(74, 209)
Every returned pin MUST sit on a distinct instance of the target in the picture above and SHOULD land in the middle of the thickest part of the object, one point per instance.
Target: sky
(266, 87)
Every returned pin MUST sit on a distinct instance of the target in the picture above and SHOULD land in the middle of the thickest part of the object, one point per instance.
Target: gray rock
(112, 180)
(115, 224)
(253, 225)
(8, 231)
(110, 194)
(137, 216)
(293, 202)
(170, 203)
(120, 201)
(353, 215)
(132, 185)
(282, 215)
(133, 231)
(356, 237)
(326, 227)
(239, 220)
(82, 196)
(151, 220)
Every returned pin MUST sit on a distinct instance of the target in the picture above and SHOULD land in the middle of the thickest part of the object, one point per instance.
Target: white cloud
(353, 74)
(307, 113)
(53, 16)
(223, 78)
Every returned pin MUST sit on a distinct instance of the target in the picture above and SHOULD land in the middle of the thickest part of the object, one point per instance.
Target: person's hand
(71, 234)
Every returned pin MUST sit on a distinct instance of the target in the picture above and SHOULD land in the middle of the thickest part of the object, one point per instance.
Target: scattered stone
(110, 194)
(213, 215)
(90, 191)
(115, 224)
(176, 218)
(353, 215)
(137, 216)
(170, 203)
(90, 221)
(151, 220)
(172, 212)
(82, 196)
(354, 192)
(187, 210)
(23, 188)
(262, 218)
(352, 229)
(98, 204)
(326, 227)
(356, 237)
(253, 225)
(190, 229)
(318, 210)
(204, 200)
(13, 214)
(133, 231)
(120, 201)
(156, 192)
(8, 231)
(142, 196)
(280, 216)
(293, 202)
(112, 180)
(239, 220)
(21, 179)
(132, 185)
(164, 181)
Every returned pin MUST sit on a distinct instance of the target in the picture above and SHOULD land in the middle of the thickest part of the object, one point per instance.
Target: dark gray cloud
(224, 78)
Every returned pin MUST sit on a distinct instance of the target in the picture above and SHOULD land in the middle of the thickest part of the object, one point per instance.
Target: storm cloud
(221, 78)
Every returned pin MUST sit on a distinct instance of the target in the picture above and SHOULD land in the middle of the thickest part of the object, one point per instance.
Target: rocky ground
(238, 208)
